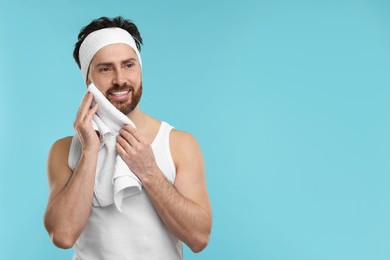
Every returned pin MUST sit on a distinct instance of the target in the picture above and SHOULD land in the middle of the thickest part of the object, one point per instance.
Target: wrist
(90, 152)
(152, 177)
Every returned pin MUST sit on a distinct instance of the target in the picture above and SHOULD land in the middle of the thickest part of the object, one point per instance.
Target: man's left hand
(135, 151)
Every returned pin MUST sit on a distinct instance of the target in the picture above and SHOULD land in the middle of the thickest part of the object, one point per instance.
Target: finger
(129, 137)
(85, 105)
(125, 143)
(120, 150)
(92, 112)
(84, 109)
(134, 132)
(87, 99)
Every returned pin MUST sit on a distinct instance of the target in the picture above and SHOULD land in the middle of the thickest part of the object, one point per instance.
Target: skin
(184, 207)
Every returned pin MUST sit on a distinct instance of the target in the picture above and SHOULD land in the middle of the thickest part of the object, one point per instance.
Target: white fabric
(137, 232)
(114, 180)
(99, 39)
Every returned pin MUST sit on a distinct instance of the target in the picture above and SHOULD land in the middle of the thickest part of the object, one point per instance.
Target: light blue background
(288, 99)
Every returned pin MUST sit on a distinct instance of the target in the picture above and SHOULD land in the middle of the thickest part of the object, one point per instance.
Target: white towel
(114, 180)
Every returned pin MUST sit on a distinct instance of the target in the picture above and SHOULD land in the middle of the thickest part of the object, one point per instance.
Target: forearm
(190, 222)
(68, 212)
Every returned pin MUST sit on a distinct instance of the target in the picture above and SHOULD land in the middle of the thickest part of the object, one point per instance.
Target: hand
(135, 151)
(83, 125)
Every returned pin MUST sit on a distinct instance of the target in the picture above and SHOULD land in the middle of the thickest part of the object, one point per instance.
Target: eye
(129, 65)
(104, 69)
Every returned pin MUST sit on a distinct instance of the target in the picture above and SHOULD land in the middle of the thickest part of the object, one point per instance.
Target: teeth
(120, 93)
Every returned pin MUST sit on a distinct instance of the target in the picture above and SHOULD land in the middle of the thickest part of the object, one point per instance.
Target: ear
(88, 81)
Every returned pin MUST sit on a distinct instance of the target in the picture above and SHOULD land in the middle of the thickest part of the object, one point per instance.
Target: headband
(99, 39)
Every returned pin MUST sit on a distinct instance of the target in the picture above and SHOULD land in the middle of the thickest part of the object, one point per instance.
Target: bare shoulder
(59, 152)
(185, 148)
(182, 140)
(182, 136)
(62, 145)
(190, 169)
(58, 170)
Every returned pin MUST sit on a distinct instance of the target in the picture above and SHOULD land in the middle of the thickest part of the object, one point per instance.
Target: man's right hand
(83, 125)
(71, 192)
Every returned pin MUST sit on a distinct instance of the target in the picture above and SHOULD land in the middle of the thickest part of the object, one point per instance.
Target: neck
(146, 125)
(137, 116)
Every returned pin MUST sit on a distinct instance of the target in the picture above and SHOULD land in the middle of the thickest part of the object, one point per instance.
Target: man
(173, 205)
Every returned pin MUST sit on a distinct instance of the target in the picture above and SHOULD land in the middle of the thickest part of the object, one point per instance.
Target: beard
(129, 105)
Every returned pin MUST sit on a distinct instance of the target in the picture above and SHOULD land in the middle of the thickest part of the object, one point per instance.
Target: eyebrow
(111, 63)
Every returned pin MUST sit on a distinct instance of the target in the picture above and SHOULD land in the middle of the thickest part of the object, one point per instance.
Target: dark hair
(105, 22)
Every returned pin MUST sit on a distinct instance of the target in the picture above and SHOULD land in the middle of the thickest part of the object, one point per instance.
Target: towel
(114, 180)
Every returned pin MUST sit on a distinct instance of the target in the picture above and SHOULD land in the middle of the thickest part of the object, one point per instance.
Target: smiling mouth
(119, 95)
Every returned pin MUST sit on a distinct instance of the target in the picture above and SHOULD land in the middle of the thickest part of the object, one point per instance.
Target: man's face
(116, 72)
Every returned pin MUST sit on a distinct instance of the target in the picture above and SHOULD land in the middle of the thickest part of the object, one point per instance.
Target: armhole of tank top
(74, 155)
(168, 149)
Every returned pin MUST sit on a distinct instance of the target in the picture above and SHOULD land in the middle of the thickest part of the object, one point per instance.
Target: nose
(119, 78)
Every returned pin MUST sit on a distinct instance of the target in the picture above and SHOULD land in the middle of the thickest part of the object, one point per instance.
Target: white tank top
(137, 232)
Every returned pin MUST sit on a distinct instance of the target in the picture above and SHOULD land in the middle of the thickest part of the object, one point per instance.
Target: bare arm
(70, 197)
(184, 207)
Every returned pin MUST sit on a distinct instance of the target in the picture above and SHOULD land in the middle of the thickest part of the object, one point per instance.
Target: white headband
(99, 39)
